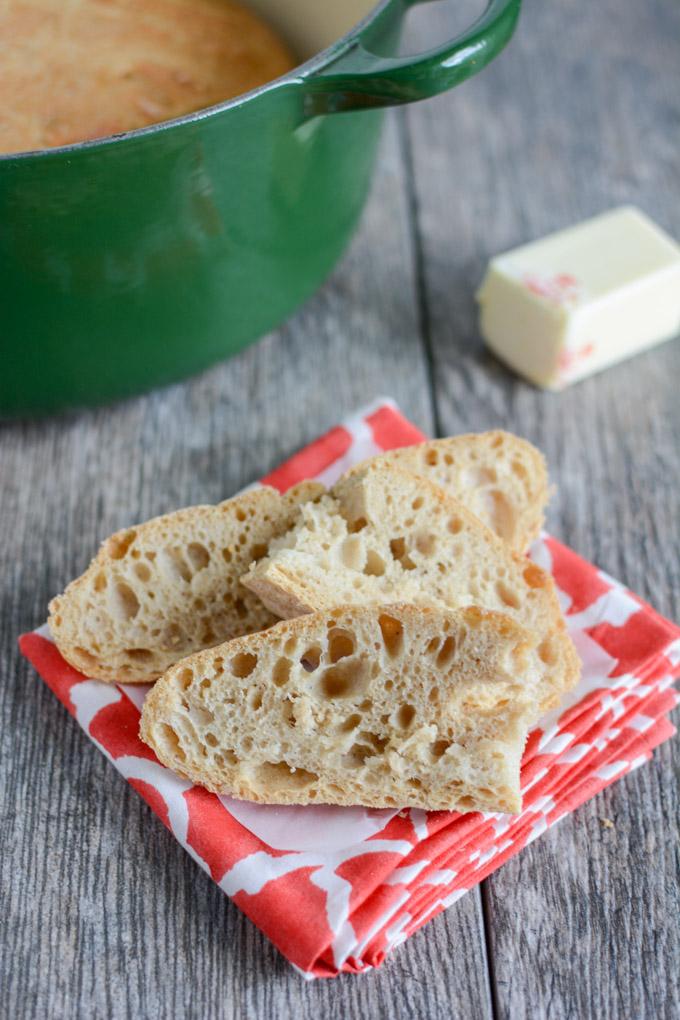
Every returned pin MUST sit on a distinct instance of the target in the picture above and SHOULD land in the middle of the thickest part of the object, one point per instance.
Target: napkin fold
(336, 889)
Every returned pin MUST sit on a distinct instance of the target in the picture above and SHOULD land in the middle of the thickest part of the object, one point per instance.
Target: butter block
(579, 300)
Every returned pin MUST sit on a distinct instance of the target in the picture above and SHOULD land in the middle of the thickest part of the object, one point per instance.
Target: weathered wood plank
(576, 117)
(105, 916)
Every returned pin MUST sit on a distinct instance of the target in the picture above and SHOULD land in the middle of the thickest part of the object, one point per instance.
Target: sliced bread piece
(159, 591)
(503, 479)
(385, 706)
(384, 535)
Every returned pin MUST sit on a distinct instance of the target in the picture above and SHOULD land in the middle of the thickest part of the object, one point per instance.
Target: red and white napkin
(336, 889)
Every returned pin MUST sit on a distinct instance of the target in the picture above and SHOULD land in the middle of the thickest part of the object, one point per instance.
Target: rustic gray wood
(580, 114)
(104, 915)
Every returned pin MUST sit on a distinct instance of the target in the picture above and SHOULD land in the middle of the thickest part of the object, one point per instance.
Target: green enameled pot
(132, 261)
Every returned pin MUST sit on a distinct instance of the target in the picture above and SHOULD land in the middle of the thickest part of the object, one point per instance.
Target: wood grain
(571, 120)
(105, 916)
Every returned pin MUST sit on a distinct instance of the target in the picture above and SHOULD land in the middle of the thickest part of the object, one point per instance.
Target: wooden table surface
(103, 914)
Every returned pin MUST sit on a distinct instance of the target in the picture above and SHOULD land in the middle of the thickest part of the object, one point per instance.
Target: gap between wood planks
(424, 326)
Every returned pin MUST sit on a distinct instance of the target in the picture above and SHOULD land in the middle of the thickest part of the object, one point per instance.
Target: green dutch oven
(132, 261)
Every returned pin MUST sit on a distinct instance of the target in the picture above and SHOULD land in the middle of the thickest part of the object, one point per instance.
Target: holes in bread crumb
(172, 563)
(206, 683)
(466, 803)
(347, 679)
(426, 543)
(124, 602)
(226, 757)
(432, 457)
(507, 596)
(310, 659)
(290, 646)
(455, 525)
(281, 672)
(340, 644)
(118, 545)
(500, 512)
(352, 553)
(357, 755)
(350, 723)
(392, 634)
(534, 576)
(185, 678)
(496, 442)
(439, 748)
(243, 664)
(100, 582)
(280, 775)
(211, 740)
(255, 700)
(415, 783)
(86, 658)
(432, 646)
(208, 635)
(240, 514)
(258, 550)
(519, 470)
(547, 652)
(366, 705)
(405, 716)
(168, 738)
(433, 696)
(240, 607)
(398, 550)
(417, 503)
(142, 571)
(448, 459)
(374, 565)
(446, 652)
(173, 635)
(139, 654)
(357, 525)
(227, 555)
(199, 556)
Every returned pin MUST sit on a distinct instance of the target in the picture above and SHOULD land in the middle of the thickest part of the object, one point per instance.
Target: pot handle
(360, 79)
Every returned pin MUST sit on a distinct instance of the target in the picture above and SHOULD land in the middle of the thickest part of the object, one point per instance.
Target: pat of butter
(579, 300)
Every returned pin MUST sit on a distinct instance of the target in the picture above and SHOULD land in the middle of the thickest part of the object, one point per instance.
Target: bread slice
(384, 706)
(163, 589)
(503, 479)
(384, 535)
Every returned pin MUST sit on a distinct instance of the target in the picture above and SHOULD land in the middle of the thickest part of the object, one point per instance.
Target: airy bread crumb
(384, 535)
(159, 591)
(384, 706)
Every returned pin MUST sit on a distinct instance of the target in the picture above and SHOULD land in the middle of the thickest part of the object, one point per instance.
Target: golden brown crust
(79, 69)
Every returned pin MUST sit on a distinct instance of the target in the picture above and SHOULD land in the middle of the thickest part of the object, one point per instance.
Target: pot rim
(295, 75)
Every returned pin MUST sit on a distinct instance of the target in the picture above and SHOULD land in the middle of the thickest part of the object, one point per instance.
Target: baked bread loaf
(169, 587)
(383, 535)
(384, 706)
(79, 69)
(503, 479)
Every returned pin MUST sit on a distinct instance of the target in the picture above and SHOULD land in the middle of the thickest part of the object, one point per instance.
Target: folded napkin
(336, 889)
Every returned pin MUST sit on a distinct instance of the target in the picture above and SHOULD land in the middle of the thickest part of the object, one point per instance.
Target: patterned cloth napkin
(336, 889)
